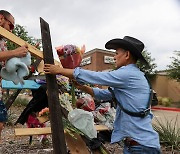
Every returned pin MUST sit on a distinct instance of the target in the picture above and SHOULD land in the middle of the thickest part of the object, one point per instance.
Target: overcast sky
(94, 22)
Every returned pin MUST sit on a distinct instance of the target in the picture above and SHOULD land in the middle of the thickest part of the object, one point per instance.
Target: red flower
(70, 55)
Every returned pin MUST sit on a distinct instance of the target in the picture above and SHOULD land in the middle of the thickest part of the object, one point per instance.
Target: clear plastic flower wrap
(70, 57)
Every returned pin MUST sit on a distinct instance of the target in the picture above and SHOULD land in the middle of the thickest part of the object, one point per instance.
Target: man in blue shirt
(131, 89)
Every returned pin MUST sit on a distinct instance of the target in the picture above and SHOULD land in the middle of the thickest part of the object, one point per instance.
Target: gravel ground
(12, 144)
(20, 145)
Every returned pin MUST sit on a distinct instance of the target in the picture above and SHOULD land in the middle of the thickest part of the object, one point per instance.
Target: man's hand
(78, 85)
(52, 69)
(21, 51)
(56, 69)
(84, 88)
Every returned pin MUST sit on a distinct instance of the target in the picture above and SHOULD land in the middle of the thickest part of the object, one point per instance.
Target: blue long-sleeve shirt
(132, 90)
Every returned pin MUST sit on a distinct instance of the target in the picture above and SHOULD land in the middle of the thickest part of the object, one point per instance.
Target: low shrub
(169, 133)
(166, 101)
(159, 100)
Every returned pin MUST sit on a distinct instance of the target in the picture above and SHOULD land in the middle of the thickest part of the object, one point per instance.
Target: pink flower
(44, 112)
(70, 55)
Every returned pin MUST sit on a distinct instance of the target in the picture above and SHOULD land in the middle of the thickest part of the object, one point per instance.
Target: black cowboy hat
(134, 45)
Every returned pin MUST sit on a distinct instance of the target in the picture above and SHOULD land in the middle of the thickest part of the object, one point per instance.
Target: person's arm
(97, 93)
(56, 69)
(102, 94)
(85, 88)
(116, 78)
(19, 52)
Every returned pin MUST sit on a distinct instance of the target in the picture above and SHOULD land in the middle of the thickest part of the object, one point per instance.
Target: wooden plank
(17, 40)
(101, 127)
(58, 138)
(32, 131)
(10, 36)
(46, 130)
(43, 119)
(75, 144)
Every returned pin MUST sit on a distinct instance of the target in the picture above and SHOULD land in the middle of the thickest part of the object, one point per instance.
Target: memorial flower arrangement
(44, 112)
(63, 81)
(68, 127)
(70, 57)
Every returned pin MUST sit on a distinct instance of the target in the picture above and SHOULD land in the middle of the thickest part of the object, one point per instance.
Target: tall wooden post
(58, 137)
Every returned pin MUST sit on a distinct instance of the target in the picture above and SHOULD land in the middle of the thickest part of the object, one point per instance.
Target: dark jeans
(3, 112)
(140, 149)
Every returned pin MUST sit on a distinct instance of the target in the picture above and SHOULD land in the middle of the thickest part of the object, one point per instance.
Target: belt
(130, 142)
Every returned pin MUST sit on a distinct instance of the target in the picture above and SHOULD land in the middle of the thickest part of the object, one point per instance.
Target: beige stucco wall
(166, 87)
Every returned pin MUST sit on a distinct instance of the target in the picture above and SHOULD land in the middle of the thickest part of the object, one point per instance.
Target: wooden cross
(17, 40)
(58, 137)
(32, 49)
(57, 130)
(59, 146)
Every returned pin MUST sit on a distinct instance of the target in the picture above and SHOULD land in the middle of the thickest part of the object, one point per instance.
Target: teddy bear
(16, 69)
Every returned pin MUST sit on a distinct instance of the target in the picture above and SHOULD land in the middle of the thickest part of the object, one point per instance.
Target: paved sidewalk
(165, 115)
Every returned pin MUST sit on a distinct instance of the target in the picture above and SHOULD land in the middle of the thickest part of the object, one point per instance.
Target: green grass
(20, 102)
(169, 133)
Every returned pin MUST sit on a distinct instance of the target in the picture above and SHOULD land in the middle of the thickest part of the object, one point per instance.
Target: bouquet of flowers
(63, 81)
(70, 57)
(44, 112)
